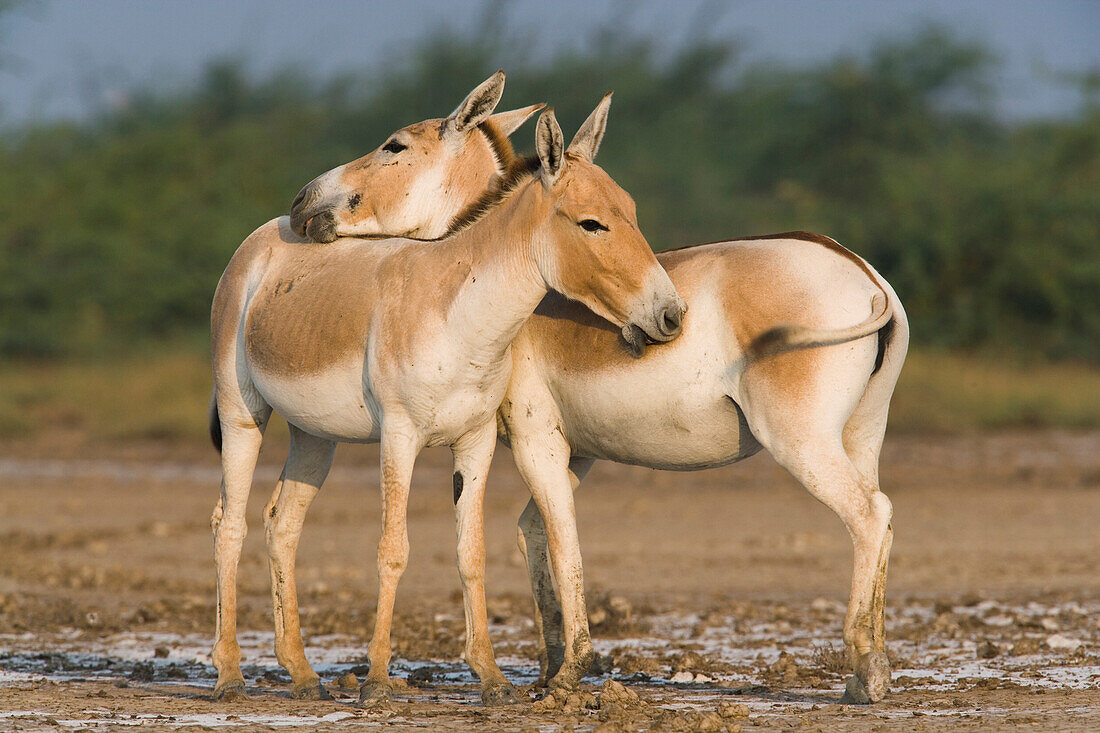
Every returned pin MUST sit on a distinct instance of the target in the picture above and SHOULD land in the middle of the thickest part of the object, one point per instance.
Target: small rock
(733, 710)
(399, 683)
(701, 678)
(684, 676)
(1049, 624)
(616, 693)
(1025, 647)
(348, 681)
(710, 723)
(1060, 643)
(161, 652)
(988, 650)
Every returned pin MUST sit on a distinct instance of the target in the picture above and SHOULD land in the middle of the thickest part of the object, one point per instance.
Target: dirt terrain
(716, 598)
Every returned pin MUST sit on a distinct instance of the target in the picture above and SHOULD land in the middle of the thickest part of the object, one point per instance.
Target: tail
(782, 339)
(215, 423)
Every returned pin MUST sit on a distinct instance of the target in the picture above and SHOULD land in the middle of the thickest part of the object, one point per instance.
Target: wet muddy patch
(734, 666)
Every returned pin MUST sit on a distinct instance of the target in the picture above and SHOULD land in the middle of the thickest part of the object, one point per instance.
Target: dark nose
(304, 207)
(671, 320)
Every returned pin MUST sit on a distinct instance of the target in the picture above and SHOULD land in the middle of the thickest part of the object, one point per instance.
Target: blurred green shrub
(115, 231)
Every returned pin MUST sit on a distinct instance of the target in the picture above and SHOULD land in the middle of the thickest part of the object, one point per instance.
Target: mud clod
(616, 693)
(733, 710)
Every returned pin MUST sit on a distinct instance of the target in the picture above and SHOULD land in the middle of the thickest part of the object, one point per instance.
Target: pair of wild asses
(441, 291)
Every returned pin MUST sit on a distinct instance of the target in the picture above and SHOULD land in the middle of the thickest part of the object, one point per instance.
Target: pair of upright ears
(549, 141)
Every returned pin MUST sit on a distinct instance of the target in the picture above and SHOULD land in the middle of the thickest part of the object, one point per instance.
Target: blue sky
(60, 58)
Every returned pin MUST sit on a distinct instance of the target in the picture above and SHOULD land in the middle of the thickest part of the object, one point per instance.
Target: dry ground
(729, 581)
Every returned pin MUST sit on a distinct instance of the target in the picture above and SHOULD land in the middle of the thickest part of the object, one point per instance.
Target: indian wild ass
(415, 354)
(414, 184)
(815, 395)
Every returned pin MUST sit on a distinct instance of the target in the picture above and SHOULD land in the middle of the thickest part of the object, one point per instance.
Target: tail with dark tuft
(782, 339)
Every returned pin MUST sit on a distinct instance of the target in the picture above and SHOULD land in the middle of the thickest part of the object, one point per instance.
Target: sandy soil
(717, 597)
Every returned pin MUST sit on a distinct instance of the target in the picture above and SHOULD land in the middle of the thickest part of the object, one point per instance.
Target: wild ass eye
(394, 147)
(591, 225)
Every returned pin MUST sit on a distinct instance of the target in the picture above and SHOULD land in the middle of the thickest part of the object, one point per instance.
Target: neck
(502, 283)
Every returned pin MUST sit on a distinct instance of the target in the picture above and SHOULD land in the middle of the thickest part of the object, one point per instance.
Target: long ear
(509, 122)
(477, 106)
(586, 142)
(550, 146)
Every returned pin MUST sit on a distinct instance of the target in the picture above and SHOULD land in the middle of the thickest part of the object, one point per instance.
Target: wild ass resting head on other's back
(417, 355)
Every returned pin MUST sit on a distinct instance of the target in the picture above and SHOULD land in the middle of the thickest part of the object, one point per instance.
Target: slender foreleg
(307, 466)
(472, 455)
(398, 453)
(241, 438)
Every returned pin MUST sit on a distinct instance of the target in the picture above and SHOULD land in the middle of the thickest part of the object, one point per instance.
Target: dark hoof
(232, 691)
(311, 691)
(855, 693)
(375, 694)
(504, 694)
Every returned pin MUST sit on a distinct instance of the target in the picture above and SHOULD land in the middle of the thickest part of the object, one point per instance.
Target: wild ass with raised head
(418, 355)
(815, 395)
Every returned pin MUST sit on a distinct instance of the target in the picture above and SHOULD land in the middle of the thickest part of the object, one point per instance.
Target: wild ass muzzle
(416, 354)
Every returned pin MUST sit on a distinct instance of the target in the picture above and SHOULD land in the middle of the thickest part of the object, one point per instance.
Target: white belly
(334, 404)
(668, 410)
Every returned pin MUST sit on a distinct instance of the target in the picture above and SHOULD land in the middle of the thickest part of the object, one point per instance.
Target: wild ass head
(419, 178)
(586, 243)
(601, 257)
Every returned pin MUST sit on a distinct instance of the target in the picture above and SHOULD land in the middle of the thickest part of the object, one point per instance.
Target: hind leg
(827, 473)
(797, 406)
(548, 614)
(536, 554)
(307, 466)
(241, 438)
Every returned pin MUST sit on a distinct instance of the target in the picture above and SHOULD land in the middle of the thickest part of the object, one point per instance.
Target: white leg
(799, 416)
(240, 450)
(543, 462)
(534, 545)
(399, 450)
(473, 454)
(307, 466)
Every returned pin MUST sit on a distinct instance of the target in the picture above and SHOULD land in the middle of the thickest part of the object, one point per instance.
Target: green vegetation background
(114, 231)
